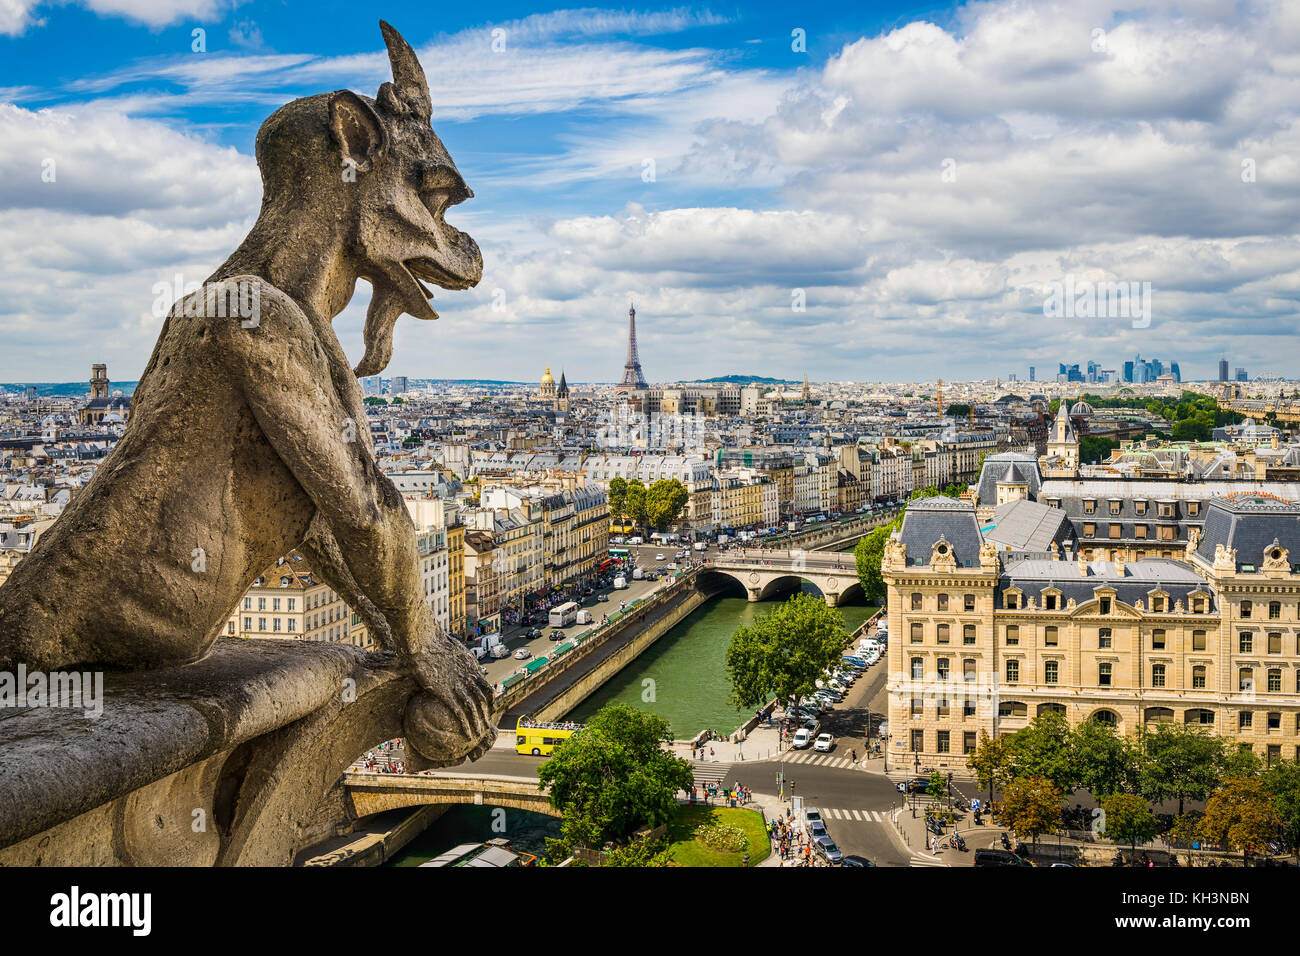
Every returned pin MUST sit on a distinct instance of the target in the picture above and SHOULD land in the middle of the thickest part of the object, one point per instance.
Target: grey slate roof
(1028, 526)
(928, 519)
(997, 467)
(1176, 578)
(1251, 524)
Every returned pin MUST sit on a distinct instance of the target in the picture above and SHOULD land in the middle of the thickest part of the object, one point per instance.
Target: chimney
(1082, 564)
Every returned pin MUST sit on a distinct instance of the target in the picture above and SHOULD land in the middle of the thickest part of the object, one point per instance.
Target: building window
(1245, 642)
(1140, 507)
(968, 742)
(1051, 671)
(261, 624)
(1013, 672)
(1158, 639)
(970, 602)
(941, 634)
(943, 665)
(1198, 677)
(942, 742)
(1140, 530)
(1012, 601)
(916, 602)
(1245, 679)
(1103, 674)
(230, 629)
(1114, 507)
(1105, 605)
(1089, 506)
(968, 634)
(1089, 530)
(1275, 642)
(261, 604)
(1103, 638)
(918, 668)
(1157, 675)
(1115, 532)
(1274, 680)
(1051, 636)
(1198, 640)
(293, 625)
(1245, 720)
(918, 741)
(1013, 634)
(1274, 610)
(917, 633)
(1245, 609)
(943, 602)
(248, 604)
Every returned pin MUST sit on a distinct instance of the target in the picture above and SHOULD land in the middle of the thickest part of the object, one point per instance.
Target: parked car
(824, 743)
(915, 785)
(659, 556)
(817, 828)
(812, 813)
(557, 635)
(813, 726)
(523, 654)
(998, 858)
(858, 861)
(825, 848)
(803, 738)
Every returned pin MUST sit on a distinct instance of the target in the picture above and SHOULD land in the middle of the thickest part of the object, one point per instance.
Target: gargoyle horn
(408, 94)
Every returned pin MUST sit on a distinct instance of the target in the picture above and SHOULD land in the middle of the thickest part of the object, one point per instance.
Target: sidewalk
(761, 744)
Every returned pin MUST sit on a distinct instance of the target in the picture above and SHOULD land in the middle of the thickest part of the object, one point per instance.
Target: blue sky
(916, 176)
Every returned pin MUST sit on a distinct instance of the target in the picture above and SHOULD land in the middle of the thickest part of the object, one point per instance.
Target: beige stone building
(289, 601)
(985, 635)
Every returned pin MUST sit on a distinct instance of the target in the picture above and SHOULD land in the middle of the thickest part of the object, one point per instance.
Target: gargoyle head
(389, 178)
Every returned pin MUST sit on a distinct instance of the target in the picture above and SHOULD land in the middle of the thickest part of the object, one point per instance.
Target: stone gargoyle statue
(248, 434)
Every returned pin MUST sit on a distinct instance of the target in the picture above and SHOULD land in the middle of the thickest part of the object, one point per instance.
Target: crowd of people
(791, 843)
(736, 795)
(386, 758)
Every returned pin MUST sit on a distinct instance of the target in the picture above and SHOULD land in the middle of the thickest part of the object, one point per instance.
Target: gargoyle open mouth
(428, 270)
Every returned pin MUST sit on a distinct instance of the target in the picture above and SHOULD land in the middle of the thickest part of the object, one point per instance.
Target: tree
(867, 555)
(617, 496)
(1240, 815)
(1282, 783)
(784, 651)
(1178, 762)
(990, 760)
(1093, 449)
(1129, 819)
(1032, 805)
(1241, 761)
(614, 777)
(1103, 761)
(1042, 749)
(665, 501)
(635, 503)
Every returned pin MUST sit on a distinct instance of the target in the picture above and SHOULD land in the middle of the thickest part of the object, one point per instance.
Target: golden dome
(546, 379)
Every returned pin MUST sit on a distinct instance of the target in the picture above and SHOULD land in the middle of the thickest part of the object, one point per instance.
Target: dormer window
(1114, 507)
(1089, 506)
(1140, 507)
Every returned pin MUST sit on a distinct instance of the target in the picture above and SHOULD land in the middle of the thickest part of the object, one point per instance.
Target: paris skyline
(834, 189)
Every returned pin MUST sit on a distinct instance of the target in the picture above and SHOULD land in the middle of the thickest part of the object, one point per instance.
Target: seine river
(681, 677)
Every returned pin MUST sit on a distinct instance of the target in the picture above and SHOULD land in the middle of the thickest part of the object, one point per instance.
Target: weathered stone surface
(248, 438)
(252, 738)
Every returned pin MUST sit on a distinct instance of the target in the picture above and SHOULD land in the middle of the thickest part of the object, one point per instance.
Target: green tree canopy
(1104, 761)
(990, 761)
(867, 555)
(635, 503)
(614, 777)
(665, 501)
(1282, 783)
(1179, 762)
(784, 651)
(617, 495)
(1043, 749)
(1129, 819)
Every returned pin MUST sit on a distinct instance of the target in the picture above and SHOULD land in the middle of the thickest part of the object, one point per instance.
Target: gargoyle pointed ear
(357, 129)
(410, 87)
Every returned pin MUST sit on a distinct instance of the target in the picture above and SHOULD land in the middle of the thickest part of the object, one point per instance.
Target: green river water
(688, 688)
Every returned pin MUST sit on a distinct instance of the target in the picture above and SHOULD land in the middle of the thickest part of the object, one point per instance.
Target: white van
(499, 651)
(803, 738)
(637, 540)
(620, 583)
(584, 616)
(701, 546)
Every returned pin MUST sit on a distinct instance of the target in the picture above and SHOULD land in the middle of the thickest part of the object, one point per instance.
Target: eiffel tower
(633, 378)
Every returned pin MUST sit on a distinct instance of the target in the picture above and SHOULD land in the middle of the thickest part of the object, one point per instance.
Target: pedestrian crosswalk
(862, 816)
(716, 773)
(813, 759)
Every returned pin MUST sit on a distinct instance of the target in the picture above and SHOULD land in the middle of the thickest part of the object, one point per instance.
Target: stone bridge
(376, 792)
(763, 573)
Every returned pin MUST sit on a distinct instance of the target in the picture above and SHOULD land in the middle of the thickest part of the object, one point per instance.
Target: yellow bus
(540, 738)
(621, 527)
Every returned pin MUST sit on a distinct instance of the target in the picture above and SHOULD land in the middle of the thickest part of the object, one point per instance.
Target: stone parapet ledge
(218, 762)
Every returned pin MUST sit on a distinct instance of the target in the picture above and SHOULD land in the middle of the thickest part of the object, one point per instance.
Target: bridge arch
(371, 793)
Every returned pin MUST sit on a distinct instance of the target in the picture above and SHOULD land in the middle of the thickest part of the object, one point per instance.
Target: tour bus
(539, 738)
(565, 614)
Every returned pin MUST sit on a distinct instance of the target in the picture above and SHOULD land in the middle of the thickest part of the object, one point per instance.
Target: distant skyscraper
(1128, 372)
(1241, 374)
(1173, 370)
(633, 377)
(1032, 374)
(1223, 370)
(400, 384)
